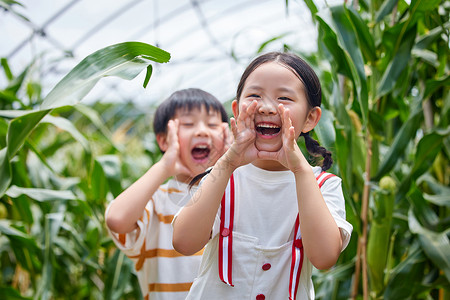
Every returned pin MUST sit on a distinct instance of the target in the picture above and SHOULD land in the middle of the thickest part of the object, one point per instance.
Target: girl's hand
(227, 137)
(243, 150)
(171, 158)
(290, 154)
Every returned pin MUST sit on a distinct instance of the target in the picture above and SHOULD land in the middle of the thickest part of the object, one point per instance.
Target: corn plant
(385, 72)
(60, 162)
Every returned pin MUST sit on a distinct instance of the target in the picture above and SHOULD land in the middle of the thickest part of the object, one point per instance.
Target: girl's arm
(192, 227)
(321, 236)
(128, 207)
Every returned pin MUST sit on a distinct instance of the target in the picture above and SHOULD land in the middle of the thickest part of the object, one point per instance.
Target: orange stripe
(166, 219)
(170, 190)
(169, 287)
(161, 253)
(122, 238)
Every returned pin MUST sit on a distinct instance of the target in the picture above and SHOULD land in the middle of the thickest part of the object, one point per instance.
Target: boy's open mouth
(267, 129)
(200, 152)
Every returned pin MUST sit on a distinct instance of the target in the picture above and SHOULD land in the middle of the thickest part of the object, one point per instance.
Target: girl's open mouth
(200, 152)
(267, 129)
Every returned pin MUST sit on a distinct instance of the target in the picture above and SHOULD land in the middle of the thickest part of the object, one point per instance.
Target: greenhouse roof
(210, 41)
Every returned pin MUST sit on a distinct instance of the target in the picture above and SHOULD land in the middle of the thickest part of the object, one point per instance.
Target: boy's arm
(128, 207)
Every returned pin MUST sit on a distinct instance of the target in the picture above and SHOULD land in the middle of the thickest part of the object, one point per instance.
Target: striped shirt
(163, 273)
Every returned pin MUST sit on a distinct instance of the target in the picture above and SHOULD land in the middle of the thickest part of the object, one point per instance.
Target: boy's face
(201, 138)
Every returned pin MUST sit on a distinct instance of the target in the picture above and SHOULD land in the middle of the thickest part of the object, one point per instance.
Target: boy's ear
(312, 119)
(235, 108)
(161, 139)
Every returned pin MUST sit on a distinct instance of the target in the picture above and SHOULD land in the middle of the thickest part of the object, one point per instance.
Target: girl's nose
(267, 107)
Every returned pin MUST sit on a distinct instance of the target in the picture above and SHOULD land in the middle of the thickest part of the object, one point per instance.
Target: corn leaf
(125, 60)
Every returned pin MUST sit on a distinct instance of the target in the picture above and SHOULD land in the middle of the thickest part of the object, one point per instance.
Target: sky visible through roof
(201, 36)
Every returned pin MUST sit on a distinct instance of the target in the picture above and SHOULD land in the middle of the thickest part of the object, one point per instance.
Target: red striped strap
(297, 247)
(296, 262)
(226, 233)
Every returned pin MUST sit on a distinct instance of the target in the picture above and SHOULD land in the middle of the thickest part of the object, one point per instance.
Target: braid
(315, 149)
(198, 177)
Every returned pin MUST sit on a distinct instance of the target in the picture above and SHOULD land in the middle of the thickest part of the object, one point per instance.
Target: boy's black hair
(188, 99)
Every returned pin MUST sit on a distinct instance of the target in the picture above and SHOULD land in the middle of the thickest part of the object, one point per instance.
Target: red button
(260, 297)
(266, 267)
(225, 232)
(298, 243)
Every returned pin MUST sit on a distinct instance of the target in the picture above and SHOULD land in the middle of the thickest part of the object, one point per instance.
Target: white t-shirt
(163, 273)
(265, 212)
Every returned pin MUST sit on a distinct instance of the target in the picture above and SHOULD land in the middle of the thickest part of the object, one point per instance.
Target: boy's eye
(213, 125)
(253, 96)
(187, 124)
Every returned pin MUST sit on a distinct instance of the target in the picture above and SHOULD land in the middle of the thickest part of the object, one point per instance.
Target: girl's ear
(312, 119)
(161, 139)
(235, 108)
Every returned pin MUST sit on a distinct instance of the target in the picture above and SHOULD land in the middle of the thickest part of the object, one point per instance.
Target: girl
(265, 214)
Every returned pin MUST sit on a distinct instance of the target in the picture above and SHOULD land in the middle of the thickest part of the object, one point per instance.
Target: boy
(191, 129)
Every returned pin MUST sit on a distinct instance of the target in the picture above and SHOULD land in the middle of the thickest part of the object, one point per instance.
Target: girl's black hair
(313, 93)
(312, 87)
(187, 99)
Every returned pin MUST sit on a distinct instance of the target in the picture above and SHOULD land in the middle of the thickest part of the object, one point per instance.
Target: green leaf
(435, 245)
(8, 293)
(385, 9)
(40, 195)
(424, 5)
(111, 168)
(325, 129)
(398, 64)
(66, 125)
(427, 149)
(148, 75)
(5, 171)
(264, 45)
(347, 39)
(20, 128)
(432, 85)
(6, 68)
(408, 271)
(424, 41)
(124, 60)
(365, 37)
(397, 149)
(312, 7)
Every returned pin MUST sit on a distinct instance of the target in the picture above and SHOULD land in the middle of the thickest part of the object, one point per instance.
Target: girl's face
(271, 84)
(201, 138)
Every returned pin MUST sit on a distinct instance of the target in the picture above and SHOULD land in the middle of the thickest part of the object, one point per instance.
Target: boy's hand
(171, 158)
(243, 149)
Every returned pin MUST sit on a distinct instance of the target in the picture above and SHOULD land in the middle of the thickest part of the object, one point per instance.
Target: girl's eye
(285, 99)
(254, 96)
(213, 125)
(187, 124)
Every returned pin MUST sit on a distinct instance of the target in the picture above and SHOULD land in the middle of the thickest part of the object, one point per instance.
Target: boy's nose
(201, 129)
(267, 106)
